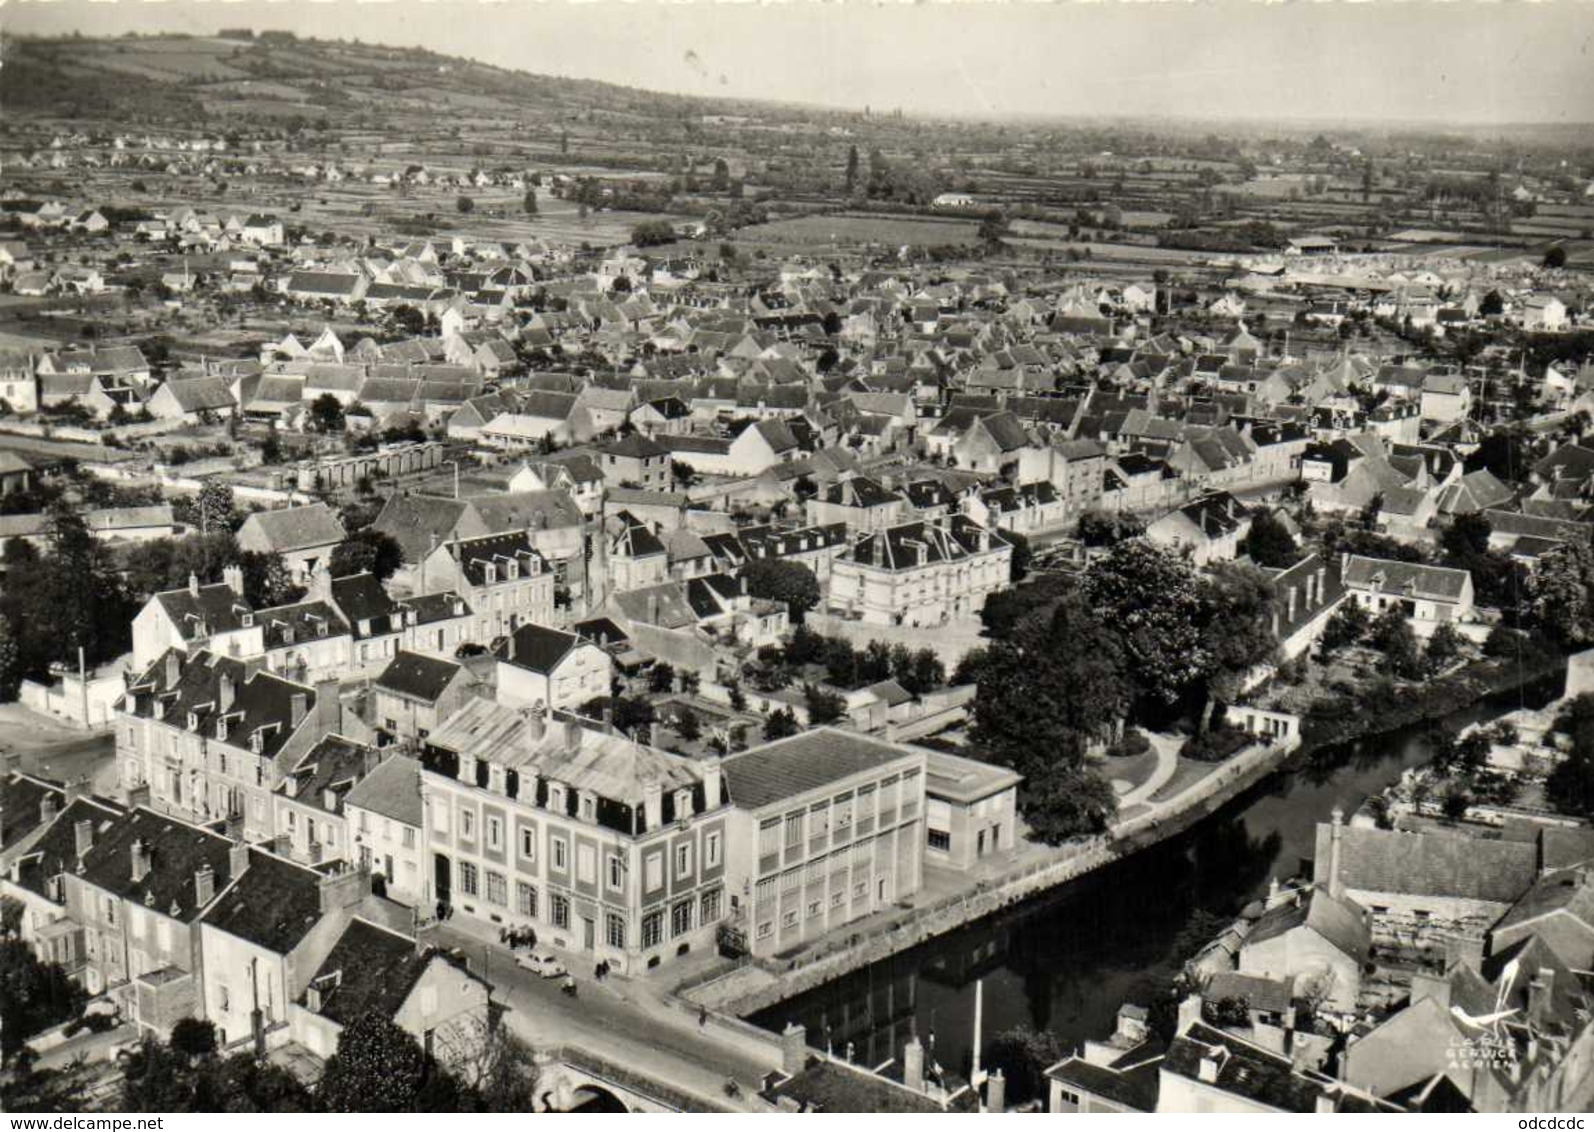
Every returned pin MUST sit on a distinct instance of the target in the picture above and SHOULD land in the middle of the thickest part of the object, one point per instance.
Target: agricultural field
(845, 229)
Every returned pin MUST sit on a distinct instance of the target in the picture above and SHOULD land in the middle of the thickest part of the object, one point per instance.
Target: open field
(841, 229)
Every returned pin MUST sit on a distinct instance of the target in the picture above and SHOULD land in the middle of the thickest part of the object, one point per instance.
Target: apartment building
(921, 574)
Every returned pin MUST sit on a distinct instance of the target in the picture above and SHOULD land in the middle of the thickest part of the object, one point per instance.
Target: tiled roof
(392, 790)
(297, 528)
(418, 676)
(1428, 863)
(1391, 576)
(176, 851)
(274, 904)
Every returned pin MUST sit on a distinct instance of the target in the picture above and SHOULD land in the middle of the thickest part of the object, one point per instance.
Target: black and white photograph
(841, 558)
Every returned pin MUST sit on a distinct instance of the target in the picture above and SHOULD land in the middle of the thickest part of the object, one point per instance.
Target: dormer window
(247, 620)
(513, 571)
(556, 797)
(193, 721)
(257, 742)
(489, 573)
(589, 808)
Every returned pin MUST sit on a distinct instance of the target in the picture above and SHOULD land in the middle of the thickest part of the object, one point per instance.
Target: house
(859, 502)
(1319, 941)
(635, 556)
(921, 573)
(215, 617)
(635, 461)
(141, 941)
(760, 445)
(1446, 398)
(308, 803)
(416, 692)
(991, 444)
(1543, 312)
(262, 231)
(210, 739)
(1559, 911)
(193, 400)
(971, 810)
(382, 813)
(1210, 1070)
(372, 969)
(551, 670)
(826, 828)
(606, 846)
(1429, 596)
(1209, 529)
(19, 388)
(501, 577)
(303, 536)
(1116, 1075)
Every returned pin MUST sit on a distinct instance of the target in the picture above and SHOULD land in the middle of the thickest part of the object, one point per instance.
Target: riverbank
(755, 986)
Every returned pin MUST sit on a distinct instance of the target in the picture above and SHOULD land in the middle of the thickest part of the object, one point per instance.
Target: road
(616, 1019)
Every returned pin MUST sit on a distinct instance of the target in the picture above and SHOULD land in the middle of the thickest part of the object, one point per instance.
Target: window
(794, 830)
(788, 918)
(616, 871)
(615, 932)
(589, 808)
(765, 930)
(561, 911)
(409, 837)
(838, 898)
(495, 833)
(561, 858)
(467, 878)
(528, 842)
(813, 908)
(653, 871)
(497, 890)
(525, 899)
(652, 929)
(681, 919)
(769, 837)
(556, 798)
(939, 840)
(711, 907)
(683, 861)
(467, 823)
(711, 851)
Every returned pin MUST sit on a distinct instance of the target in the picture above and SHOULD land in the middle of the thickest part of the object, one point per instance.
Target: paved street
(616, 1019)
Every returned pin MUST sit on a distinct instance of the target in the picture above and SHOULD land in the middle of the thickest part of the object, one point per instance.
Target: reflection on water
(1066, 961)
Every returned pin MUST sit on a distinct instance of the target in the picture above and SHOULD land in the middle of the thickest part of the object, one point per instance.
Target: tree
(652, 233)
(1023, 1055)
(1392, 635)
(464, 205)
(326, 414)
(214, 508)
(993, 229)
(824, 706)
(1238, 632)
(1022, 556)
(529, 203)
(1150, 597)
(1492, 304)
(1555, 258)
(661, 677)
(780, 724)
(377, 1068)
(1558, 599)
(852, 168)
(1269, 544)
(367, 551)
(1347, 626)
(1467, 537)
(33, 995)
(776, 579)
(1444, 648)
(687, 724)
(1061, 801)
(1108, 528)
(10, 664)
(194, 1037)
(1570, 786)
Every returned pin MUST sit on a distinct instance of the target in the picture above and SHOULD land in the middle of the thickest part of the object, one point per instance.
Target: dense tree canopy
(367, 550)
(1152, 599)
(778, 580)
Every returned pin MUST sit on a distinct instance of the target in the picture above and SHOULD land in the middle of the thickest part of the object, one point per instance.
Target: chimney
(1324, 1104)
(204, 885)
(608, 716)
(233, 576)
(1211, 1062)
(1189, 1012)
(1289, 604)
(174, 667)
(653, 804)
(47, 808)
(793, 1049)
(1322, 582)
(140, 860)
(1336, 821)
(713, 787)
(83, 836)
(913, 1064)
(193, 584)
(237, 860)
(1539, 995)
(341, 890)
(1272, 891)
(996, 1092)
(227, 692)
(300, 707)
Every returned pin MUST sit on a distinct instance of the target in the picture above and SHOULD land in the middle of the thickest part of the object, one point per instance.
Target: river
(1065, 962)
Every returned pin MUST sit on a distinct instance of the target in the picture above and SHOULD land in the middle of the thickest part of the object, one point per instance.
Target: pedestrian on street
(702, 1016)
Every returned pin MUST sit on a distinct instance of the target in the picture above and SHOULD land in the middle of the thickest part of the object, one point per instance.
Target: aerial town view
(637, 558)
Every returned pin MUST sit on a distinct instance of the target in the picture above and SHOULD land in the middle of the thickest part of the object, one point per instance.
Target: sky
(1484, 62)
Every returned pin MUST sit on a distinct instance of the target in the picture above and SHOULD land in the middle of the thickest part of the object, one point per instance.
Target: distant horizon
(1377, 65)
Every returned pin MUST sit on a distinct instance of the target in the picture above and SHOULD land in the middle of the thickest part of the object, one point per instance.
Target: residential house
(1429, 596)
(921, 574)
(304, 536)
(416, 692)
(551, 670)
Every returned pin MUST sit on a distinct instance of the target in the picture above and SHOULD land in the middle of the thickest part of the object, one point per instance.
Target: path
(1167, 748)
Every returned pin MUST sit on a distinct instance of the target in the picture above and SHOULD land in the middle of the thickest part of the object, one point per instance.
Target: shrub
(1134, 742)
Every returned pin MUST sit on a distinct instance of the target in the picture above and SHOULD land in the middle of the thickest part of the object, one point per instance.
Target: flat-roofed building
(827, 827)
(971, 810)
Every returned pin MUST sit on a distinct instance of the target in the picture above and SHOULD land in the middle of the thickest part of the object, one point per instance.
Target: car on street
(545, 965)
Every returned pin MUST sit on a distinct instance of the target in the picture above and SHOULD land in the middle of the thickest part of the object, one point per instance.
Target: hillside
(228, 81)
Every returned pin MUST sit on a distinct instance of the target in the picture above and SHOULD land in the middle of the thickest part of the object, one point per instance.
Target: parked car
(545, 965)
